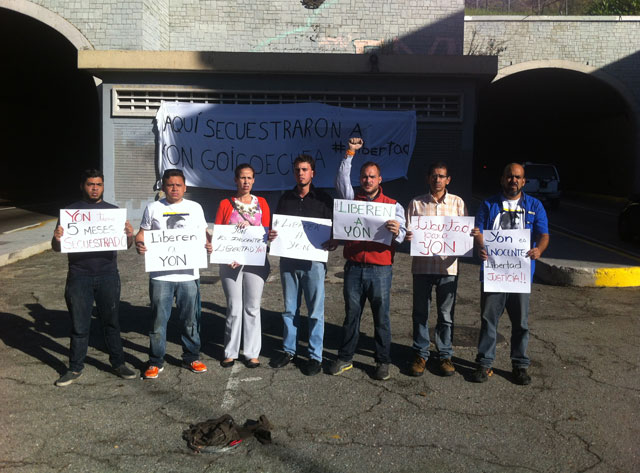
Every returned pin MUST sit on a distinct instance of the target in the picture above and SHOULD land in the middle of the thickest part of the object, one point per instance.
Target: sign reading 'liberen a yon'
(301, 237)
(179, 248)
(93, 230)
(234, 244)
(508, 268)
(208, 141)
(441, 236)
(362, 220)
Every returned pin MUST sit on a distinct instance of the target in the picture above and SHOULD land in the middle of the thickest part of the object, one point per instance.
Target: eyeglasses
(438, 176)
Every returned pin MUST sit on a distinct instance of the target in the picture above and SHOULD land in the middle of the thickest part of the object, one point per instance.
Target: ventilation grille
(429, 108)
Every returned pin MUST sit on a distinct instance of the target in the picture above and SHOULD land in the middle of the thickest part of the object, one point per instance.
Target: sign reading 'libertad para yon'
(441, 236)
(93, 230)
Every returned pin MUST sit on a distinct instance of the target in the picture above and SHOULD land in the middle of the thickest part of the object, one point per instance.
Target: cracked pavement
(580, 414)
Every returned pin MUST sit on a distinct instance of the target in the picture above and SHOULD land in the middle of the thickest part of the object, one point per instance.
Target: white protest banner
(362, 220)
(301, 237)
(179, 248)
(93, 230)
(441, 236)
(208, 141)
(508, 268)
(241, 245)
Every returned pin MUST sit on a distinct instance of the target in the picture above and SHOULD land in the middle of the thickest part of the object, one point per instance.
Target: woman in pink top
(243, 284)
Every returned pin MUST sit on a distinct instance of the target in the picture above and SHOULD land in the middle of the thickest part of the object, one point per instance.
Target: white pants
(243, 289)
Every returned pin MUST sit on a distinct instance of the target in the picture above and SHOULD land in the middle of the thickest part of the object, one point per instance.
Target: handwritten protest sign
(241, 245)
(93, 230)
(362, 220)
(441, 236)
(180, 248)
(301, 237)
(508, 268)
(208, 141)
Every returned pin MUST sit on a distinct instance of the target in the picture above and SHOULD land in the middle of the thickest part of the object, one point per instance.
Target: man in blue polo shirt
(511, 209)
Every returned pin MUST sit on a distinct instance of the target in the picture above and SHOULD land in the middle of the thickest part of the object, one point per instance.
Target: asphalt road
(16, 217)
(579, 414)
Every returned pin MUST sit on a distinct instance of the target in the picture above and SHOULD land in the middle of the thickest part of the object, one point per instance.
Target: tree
(614, 7)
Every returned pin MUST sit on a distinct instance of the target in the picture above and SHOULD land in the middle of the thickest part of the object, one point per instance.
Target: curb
(24, 253)
(558, 272)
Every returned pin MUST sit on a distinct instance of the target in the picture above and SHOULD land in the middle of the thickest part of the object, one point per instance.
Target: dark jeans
(492, 305)
(80, 293)
(362, 282)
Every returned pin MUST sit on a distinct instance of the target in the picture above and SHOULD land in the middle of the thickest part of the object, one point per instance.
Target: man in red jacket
(367, 273)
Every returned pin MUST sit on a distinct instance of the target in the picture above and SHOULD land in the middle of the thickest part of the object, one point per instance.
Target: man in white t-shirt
(183, 285)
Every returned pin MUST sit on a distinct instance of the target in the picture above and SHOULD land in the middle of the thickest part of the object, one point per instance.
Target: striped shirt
(450, 206)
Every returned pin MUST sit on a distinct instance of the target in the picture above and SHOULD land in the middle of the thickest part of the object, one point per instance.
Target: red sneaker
(196, 366)
(152, 372)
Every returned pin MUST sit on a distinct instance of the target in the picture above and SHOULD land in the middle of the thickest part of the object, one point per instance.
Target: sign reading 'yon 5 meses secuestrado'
(93, 230)
(208, 141)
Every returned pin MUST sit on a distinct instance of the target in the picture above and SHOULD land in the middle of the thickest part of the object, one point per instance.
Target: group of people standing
(367, 275)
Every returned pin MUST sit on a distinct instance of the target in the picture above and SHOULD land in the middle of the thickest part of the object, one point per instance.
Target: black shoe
(227, 364)
(125, 372)
(283, 360)
(382, 372)
(520, 376)
(252, 364)
(68, 378)
(339, 367)
(481, 374)
(313, 367)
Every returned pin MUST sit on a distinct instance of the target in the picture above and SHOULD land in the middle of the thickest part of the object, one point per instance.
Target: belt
(363, 265)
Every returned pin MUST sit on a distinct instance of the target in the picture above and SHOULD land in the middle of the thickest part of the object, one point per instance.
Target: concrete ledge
(559, 272)
(8, 258)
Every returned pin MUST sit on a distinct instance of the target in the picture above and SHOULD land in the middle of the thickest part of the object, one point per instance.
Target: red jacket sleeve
(266, 213)
(224, 213)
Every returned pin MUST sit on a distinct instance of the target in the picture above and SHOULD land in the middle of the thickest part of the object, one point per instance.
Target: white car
(543, 183)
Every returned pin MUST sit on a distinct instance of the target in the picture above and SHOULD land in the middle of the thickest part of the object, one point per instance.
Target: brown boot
(418, 366)
(447, 368)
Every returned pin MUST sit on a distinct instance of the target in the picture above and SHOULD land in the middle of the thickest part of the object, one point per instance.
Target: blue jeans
(80, 292)
(187, 297)
(303, 277)
(362, 282)
(446, 289)
(492, 305)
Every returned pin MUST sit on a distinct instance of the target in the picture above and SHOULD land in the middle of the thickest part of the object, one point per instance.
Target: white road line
(593, 241)
(8, 208)
(21, 228)
(232, 385)
(590, 209)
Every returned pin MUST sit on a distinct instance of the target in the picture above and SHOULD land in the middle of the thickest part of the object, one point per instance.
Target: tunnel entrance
(49, 113)
(567, 118)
